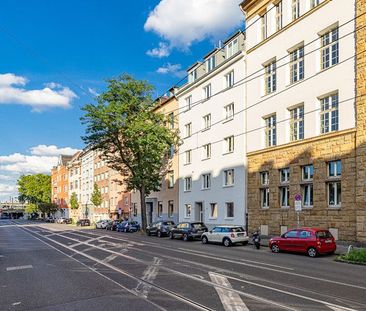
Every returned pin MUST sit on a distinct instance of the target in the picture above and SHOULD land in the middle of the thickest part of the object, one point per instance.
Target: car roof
(229, 226)
(310, 229)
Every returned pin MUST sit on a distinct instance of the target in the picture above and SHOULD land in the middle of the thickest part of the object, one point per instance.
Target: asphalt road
(60, 267)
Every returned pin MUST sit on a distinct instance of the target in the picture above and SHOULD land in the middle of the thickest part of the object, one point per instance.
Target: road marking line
(289, 293)
(1, 256)
(19, 268)
(90, 240)
(230, 300)
(334, 308)
(149, 275)
(16, 303)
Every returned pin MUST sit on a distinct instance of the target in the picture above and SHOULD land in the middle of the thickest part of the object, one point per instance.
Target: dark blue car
(128, 226)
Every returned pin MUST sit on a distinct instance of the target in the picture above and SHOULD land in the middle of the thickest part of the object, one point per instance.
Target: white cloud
(162, 51)
(51, 150)
(52, 95)
(182, 22)
(93, 91)
(7, 188)
(173, 69)
(27, 164)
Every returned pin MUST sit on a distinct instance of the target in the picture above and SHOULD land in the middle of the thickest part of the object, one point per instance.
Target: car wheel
(159, 234)
(312, 252)
(226, 242)
(204, 240)
(185, 237)
(171, 235)
(275, 248)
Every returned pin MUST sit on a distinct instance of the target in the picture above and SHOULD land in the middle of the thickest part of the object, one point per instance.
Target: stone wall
(361, 119)
(317, 151)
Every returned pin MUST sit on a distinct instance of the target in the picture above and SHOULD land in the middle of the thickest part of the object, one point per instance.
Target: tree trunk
(143, 209)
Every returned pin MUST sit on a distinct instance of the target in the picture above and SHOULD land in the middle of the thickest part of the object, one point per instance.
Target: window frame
(188, 130)
(206, 122)
(229, 112)
(187, 210)
(329, 48)
(187, 186)
(297, 120)
(229, 79)
(227, 179)
(227, 204)
(271, 130)
(270, 77)
(329, 113)
(206, 181)
(206, 151)
(229, 144)
(215, 214)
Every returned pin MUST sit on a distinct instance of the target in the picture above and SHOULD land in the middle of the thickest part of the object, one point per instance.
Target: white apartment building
(302, 54)
(74, 171)
(87, 182)
(211, 121)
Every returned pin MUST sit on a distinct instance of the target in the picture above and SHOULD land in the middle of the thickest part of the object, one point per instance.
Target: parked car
(160, 228)
(83, 222)
(63, 220)
(112, 225)
(101, 224)
(227, 235)
(121, 226)
(50, 219)
(188, 230)
(312, 241)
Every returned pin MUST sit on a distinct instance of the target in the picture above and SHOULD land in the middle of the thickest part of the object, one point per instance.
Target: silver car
(226, 235)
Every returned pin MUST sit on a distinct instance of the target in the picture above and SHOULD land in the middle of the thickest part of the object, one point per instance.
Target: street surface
(59, 267)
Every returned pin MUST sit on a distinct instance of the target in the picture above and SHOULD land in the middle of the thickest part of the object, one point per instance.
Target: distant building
(87, 182)
(74, 170)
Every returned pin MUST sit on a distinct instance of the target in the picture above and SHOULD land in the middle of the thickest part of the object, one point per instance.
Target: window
(171, 151)
(308, 194)
(297, 123)
(229, 144)
(285, 196)
(264, 178)
(285, 175)
(192, 76)
(206, 152)
(308, 172)
(270, 131)
(207, 91)
(171, 120)
(232, 48)
(170, 208)
(188, 156)
(264, 192)
(291, 234)
(160, 209)
(270, 77)
(335, 169)
(210, 63)
(279, 16)
(188, 130)
(295, 9)
(334, 194)
(314, 3)
(189, 102)
(135, 209)
(229, 79)
(187, 184)
(297, 65)
(207, 121)
(206, 181)
(171, 179)
(229, 112)
(264, 26)
(213, 210)
(228, 177)
(329, 49)
(329, 118)
(229, 209)
(188, 209)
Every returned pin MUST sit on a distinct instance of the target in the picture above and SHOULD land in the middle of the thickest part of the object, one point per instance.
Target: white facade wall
(316, 83)
(219, 161)
(87, 181)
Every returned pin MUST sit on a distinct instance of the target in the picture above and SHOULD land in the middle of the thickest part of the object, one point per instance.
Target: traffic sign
(298, 197)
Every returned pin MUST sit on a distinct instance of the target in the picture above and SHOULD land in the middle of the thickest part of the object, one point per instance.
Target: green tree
(132, 138)
(74, 204)
(96, 197)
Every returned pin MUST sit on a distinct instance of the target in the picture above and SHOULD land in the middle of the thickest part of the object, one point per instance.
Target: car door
(304, 236)
(215, 234)
(289, 240)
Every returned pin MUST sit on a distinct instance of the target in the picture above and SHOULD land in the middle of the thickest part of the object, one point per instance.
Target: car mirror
(210, 231)
(284, 236)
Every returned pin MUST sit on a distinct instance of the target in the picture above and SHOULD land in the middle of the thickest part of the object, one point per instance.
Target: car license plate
(240, 234)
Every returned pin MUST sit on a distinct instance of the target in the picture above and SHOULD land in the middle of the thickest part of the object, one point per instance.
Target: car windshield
(168, 223)
(323, 234)
(198, 225)
(237, 229)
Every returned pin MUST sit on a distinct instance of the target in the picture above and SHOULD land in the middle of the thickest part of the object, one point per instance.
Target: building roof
(64, 159)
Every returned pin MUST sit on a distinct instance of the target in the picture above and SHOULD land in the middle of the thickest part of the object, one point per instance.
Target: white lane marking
(291, 294)
(16, 303)
(230, 300)
(89, 240)
(109, 258)
(149, 275)
(1, 256)
(334, 308)
(19, 268)
(263, 300)
(237, 261)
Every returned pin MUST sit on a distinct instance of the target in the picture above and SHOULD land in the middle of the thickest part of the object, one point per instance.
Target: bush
(356, 255)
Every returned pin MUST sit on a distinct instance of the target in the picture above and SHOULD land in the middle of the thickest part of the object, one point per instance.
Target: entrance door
(149, 210)
(199, 212)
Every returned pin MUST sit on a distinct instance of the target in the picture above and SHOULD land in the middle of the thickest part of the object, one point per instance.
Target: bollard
(350, 248)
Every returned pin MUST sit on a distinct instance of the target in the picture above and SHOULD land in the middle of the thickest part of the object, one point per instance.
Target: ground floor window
(160, 209)
(229, 209)
(188, 209)
(307, 195)
(265, 197)
(170, 208)
(285, 196)
(334, 193)
(213, 210)
(134, 209)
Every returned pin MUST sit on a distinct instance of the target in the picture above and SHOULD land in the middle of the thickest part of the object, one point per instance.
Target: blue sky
(55, 55)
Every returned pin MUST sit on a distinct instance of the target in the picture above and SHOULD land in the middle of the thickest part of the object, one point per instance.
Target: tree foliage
(74, 204)
(132, 138)
(96, 197)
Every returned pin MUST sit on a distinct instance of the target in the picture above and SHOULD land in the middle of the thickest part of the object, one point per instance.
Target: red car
(312, 241)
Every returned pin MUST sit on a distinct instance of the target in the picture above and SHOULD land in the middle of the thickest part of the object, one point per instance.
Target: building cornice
(302, 142)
